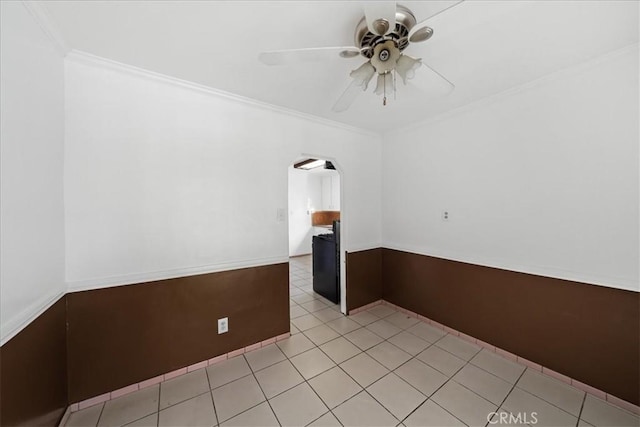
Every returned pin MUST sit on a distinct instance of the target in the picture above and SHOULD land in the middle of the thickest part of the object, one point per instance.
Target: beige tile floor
(376, 368)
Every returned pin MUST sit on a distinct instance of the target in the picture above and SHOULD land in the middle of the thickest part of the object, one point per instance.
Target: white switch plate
(281, 215)
(223, 325)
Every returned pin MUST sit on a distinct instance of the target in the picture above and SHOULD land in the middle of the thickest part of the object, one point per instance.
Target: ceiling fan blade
(293, 56)
(429, 80)
(421, 31)
(380, 16)
(348, 96)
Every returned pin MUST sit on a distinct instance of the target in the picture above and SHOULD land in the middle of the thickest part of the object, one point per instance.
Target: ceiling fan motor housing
(367, 41)
(385, 56)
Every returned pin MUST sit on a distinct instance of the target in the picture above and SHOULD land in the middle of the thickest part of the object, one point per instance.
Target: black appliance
(326, 264)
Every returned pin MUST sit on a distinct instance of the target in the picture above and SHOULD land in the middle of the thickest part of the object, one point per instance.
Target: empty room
(320, 213)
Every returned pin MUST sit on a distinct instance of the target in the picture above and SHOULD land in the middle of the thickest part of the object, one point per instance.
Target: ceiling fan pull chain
(384, 85)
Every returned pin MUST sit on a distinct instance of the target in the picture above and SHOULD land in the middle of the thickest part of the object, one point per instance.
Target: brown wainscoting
(364, 277)
(587, 332)
(33, 371)
(122, 335)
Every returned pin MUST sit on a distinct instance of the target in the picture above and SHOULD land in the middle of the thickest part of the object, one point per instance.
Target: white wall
(543, 179)
(163, 179)
(305, 196)
(32, 138)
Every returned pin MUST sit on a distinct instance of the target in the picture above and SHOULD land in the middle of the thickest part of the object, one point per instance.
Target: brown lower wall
(122, 335)
(364, 277)
(33, 371)
(587, 332)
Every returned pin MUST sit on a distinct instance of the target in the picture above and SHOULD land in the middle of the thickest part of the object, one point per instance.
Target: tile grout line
(181, 401)
(450, 377)
(510, 391)
(546, 401)
(584, 399)
(434, 392)
(364, 351)
(206, 371)
(380, 403)
(160, 399)
(363, 389)
(243, 411)
(101, 411)
(446, 382)
(260, 386)
(234, 380)
(304, 380)
(467, 362)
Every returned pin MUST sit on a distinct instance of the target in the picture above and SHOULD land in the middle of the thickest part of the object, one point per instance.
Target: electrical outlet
(445, 215)
(223, 325)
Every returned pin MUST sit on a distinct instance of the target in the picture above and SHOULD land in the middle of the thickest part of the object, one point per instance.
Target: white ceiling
(483, 47)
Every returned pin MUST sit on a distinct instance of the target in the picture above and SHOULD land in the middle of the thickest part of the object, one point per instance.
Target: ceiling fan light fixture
(406, 67)
(385, 83)
(363, 74)
(381, 37)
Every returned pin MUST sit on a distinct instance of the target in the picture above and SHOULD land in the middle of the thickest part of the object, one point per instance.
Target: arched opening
(316, 231)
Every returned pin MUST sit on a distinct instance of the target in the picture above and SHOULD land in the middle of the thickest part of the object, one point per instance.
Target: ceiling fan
(381, 37)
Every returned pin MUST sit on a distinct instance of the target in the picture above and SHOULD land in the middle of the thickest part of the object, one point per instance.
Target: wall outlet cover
(223, 325)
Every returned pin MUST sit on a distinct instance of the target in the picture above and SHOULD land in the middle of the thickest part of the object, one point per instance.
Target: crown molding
(523, 87)
(90, 59)
(39, 13)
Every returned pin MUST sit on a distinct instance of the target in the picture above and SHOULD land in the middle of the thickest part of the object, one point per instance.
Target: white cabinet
(331, 192)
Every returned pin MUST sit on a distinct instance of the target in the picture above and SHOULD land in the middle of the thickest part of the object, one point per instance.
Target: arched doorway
(316, 231)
